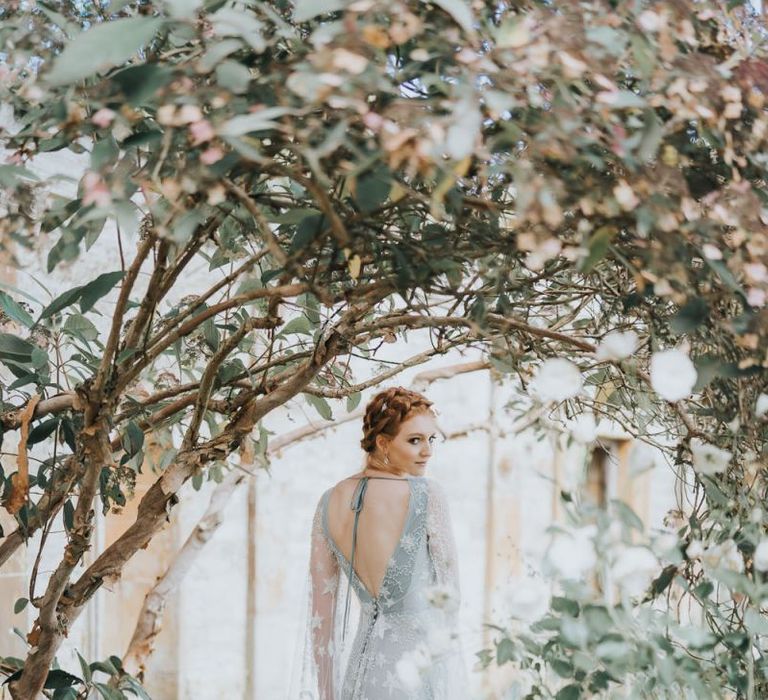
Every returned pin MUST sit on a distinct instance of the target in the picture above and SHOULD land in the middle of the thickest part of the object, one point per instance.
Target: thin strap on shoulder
(356, 504)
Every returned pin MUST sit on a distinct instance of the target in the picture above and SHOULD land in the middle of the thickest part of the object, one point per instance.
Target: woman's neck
(372, 470)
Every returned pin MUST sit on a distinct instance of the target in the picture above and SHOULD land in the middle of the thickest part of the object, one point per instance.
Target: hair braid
(387, 410)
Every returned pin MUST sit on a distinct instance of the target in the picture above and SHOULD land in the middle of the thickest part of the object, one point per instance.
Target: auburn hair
(387, 411)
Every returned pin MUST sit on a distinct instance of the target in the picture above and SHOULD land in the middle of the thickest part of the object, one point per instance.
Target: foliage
(526, 177)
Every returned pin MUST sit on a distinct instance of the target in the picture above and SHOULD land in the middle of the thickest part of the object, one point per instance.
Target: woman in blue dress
(382, 610)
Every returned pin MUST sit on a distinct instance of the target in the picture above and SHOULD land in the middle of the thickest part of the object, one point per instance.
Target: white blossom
(583, 428)
(444, 597)
(572, 554)
(527, 600)
(709, 459)
(411, 665)
(665, 546)
(634, 569)
(673, 375)
(694, 550)
(723, 556)
(617, 345)
(572, 67)
(760, 557)
(625, 196)
(439, 640)
(761, 407)
(557, 379)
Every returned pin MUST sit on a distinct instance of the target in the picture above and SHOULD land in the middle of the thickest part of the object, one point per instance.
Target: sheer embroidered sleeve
(324, 575)
(440, 540)
(316, 666)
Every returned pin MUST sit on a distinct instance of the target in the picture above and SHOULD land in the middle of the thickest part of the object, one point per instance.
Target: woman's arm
(324, 577)
(440, 540)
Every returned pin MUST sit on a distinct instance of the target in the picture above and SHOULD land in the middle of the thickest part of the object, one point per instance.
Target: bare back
(379, 528)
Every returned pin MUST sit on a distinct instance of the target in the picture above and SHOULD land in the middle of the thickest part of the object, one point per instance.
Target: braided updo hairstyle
(386, 412)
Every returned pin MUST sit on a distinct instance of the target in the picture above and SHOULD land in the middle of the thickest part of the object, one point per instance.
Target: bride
(384, 533)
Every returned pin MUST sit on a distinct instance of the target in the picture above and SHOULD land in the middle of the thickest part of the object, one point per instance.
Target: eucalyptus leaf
(101, 47)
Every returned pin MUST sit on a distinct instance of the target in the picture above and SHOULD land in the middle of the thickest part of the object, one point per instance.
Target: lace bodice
(404, 643)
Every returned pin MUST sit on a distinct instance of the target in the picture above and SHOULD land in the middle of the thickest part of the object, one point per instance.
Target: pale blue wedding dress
(405, 643)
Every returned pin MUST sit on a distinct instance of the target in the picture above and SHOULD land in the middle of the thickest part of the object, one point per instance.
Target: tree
(578, 190)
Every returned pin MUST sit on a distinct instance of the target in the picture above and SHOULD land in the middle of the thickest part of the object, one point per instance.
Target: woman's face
(410, 450)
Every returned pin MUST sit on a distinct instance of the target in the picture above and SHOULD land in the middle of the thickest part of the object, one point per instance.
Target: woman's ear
(382, 443)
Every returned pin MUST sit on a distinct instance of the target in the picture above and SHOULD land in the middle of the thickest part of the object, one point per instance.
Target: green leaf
(182, 9)
(67, 693)
(662, 581)
(565, 605)
(320, 405)
(307, 9)
(11, 174)
(505, 651)
(42, 431)
(140, 83)
(15, 349)
(262, 120)
(211, 334)
(652, 134)
(230, 21)
(80, 327)
(627, 515)
(19, 605)
(690, 316)
(15, 310)
(105, 667)
(104, 152)
(57, 678)
(626, 99)
(372, 189)
(133, 438)
(460, 11)
(103, 46)
(109, 693)
(570, 692)
(353, 400)
(233, 76)
(61, 302)
(85, 668)
(299, 325)
(562, 667)
(725, 275)
(598, 246)
(102, 285)
(69, 515)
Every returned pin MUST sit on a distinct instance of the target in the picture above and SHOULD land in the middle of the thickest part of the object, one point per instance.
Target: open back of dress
(397, 554)
(381, 519)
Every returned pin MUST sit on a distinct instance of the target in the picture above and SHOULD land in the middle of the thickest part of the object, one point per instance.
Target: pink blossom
(103, 118)
(211, 155)
(756, 297)
(373, 120)
(95, 190)
(201, 131)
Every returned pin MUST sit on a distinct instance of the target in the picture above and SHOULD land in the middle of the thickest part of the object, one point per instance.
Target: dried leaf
(20, 480)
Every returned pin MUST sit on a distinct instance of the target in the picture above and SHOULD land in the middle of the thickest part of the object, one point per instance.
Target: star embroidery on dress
(330, 584)
(391, 683)
(316, 621)
(382, 627)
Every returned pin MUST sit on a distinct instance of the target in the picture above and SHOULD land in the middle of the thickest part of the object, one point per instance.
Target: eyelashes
(432, 439)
